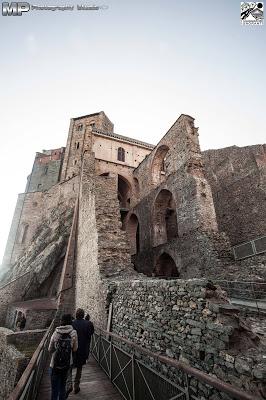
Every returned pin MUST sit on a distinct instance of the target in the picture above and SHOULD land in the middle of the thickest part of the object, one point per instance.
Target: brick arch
(124, 189)
(165, 266)
(164, 218)
(133, 232)
(157, 165)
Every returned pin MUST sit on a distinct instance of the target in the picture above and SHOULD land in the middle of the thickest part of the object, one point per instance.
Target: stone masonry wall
(238, 180)
(191, 321)
(184, 153)
(197, 248)
(10, 293)
(12, 364)
(102, 248)
(46, 170)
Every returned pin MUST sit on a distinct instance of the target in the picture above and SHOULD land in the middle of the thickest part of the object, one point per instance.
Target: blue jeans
(58, 382)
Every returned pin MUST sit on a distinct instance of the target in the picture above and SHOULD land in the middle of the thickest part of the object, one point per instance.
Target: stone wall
(102, 248)
(179, 149)
(191, 321)
(35, 318)
(80, 140)
(11, 292)
(46, 170)
(238, 180)
(12, 364)
(196, 246)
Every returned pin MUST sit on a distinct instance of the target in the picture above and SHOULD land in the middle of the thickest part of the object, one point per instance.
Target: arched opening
(165, 267)
(164, 218)
(158, 165)
(132, 228)
(124, 192)
(124, 195)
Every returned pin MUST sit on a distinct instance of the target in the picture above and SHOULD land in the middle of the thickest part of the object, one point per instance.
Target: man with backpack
(63, 342)
(85, 330)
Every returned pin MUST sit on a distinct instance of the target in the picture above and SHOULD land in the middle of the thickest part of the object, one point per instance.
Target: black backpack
(63, 351)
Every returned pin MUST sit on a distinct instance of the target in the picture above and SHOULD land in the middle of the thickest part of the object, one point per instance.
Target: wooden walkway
(94, 385)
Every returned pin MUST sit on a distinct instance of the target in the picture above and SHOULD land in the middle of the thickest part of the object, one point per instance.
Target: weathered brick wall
(238, 180)
(24, 340)
(102, 248)
(12, 364)
(10, 293)
(35, 319)
(190, 321)
(184, 153)
(197, 248)
(46, 170)
(80, 140)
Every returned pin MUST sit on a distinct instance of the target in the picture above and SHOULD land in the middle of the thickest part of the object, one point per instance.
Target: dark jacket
(85, 330)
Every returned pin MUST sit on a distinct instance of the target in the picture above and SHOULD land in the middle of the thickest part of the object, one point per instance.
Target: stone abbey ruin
(158, 232)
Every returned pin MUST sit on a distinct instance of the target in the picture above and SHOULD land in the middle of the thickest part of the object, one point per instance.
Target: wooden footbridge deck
(111, 367)
(94, 385)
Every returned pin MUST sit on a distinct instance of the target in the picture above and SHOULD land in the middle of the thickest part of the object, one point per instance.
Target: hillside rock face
(38, 269)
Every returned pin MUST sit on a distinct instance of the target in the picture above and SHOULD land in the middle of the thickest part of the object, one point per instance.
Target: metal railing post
(111, 370)
(133, 375)
(100, 338)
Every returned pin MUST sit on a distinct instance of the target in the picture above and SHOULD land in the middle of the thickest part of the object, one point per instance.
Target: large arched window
(165, 266)
(121, 154)
(124, 192)
(132, 228)
(164, 218)
(158, 164)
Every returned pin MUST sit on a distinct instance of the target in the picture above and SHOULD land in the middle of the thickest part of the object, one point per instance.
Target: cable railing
(28, 385)
(126, 365)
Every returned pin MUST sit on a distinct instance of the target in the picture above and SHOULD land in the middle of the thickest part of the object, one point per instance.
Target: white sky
(142, 62)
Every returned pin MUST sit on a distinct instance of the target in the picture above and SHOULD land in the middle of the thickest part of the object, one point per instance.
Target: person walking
(85, 330)
(63, 342)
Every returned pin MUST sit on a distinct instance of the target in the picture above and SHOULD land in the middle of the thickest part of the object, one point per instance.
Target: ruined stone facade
(108, 210)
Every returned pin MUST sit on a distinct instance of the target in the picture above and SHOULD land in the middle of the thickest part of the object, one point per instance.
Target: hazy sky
(142, 62)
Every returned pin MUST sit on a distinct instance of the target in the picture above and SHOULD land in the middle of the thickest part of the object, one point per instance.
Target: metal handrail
(216, 383)
(32, 367)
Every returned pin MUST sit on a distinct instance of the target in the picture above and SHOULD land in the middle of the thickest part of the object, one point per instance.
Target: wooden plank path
(94, 385)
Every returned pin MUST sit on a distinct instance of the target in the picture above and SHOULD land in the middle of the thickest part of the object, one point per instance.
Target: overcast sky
(143, 62)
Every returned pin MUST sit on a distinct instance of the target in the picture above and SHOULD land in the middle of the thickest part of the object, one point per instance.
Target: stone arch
(165, 266)
(158, 164)
(124, 192)
(132, 228)
(164, 218)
